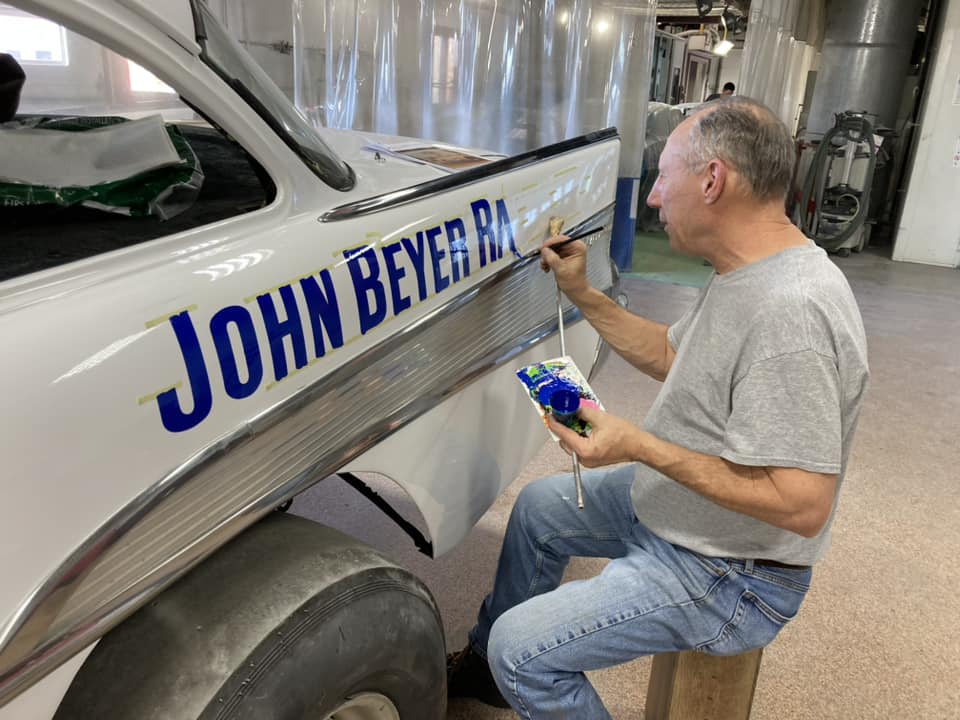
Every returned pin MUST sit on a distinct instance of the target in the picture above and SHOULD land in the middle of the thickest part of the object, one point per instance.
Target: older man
(731, 485)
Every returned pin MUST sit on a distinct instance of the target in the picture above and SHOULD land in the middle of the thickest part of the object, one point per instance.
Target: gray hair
(748, 137)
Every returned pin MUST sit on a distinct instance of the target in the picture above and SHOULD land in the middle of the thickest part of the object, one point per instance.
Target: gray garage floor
(879, 635)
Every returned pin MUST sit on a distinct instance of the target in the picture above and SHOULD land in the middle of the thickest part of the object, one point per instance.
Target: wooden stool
(697, 686)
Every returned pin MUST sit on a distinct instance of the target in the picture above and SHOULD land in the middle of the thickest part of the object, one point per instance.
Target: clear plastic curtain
(770, 49)
(504, 75)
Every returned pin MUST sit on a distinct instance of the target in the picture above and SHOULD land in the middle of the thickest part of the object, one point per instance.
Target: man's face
(677, 192)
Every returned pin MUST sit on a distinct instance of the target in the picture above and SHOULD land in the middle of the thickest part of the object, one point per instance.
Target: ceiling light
(722, 47)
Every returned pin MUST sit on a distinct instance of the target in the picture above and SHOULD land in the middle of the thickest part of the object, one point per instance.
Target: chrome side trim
(465, 177)
(227, 486)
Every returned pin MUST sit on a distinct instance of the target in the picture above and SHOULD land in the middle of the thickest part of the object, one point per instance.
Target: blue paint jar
(561, 398)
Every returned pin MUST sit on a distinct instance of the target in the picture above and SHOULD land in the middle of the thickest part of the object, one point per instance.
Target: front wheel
(367, 648)
(368, 706)
(291, 620)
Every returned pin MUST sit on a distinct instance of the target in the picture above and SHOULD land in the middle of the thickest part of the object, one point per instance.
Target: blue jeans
(653, 597)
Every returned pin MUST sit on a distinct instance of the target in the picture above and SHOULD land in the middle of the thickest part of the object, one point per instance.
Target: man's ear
(714, 180)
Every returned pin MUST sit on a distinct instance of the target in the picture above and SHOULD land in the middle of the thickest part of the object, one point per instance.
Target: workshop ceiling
(695, 11)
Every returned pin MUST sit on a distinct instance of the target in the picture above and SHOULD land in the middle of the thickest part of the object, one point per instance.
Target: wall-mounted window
(444, 74)
(144, 81)
(32, 40)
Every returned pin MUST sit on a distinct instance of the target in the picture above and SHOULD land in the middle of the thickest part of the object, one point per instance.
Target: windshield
(225, 55)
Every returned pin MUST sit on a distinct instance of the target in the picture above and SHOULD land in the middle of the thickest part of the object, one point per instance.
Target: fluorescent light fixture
(722, 47)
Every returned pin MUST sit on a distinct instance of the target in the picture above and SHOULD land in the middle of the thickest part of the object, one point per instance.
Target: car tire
(358, 638)
(368, 637)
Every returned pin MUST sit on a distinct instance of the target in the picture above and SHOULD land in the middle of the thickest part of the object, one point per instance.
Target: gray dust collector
(866, 56)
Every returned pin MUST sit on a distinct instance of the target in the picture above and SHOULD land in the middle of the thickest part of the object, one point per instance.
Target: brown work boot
(468, 675)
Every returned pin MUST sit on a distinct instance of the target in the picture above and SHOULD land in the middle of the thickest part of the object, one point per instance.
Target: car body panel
(40, 701)
(458, 479)
(132, 376)
(122, 351)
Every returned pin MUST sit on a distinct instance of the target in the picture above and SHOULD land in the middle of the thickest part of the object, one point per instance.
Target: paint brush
(577, 236)
(554, 230)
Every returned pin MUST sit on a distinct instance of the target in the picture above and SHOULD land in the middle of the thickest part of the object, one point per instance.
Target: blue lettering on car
(416, 256)
(278, 329)
(323, 311)
(365, 273)
(241, 319)
(375, 275)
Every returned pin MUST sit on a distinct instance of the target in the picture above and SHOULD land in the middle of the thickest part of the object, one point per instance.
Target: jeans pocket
(755, 623)
(773, 614)
(713, 565)
(778, 597)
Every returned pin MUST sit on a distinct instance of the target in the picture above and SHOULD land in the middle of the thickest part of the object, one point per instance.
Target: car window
(226, 57)
(98, 154)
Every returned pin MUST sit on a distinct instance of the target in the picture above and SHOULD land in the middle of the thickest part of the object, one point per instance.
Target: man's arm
(790, 498)
(641, 342)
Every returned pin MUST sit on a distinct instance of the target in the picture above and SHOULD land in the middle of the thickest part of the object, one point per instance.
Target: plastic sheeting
(58, 158)
(774, 61)
(505, 75)
(164, 183)
(662, 119)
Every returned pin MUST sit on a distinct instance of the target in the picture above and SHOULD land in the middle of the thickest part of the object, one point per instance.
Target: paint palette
(557, 387)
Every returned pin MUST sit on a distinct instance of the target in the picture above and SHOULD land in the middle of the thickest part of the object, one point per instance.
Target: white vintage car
(182, 356)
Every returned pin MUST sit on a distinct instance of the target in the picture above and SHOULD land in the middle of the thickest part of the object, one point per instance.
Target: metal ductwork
(866, 55)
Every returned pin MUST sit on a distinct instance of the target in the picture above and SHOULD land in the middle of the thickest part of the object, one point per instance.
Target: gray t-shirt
(771, 369)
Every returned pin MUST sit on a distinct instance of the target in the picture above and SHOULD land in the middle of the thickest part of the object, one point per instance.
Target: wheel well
(421, 541)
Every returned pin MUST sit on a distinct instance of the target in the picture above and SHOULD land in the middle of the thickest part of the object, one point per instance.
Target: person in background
(714, 512)
(728, 89)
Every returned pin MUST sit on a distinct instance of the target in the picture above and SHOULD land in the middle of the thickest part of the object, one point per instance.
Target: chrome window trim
(426, 189)
(323, 161)
(30, 644)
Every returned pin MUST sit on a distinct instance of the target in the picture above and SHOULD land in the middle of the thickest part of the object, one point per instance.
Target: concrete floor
(878, 636)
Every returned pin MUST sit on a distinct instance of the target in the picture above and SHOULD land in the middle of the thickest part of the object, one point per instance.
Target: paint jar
(561, 398)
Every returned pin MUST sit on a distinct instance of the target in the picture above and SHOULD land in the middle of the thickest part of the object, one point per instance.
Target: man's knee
(502, 649)
(536, 493)
(534, 500)
(497, 646)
